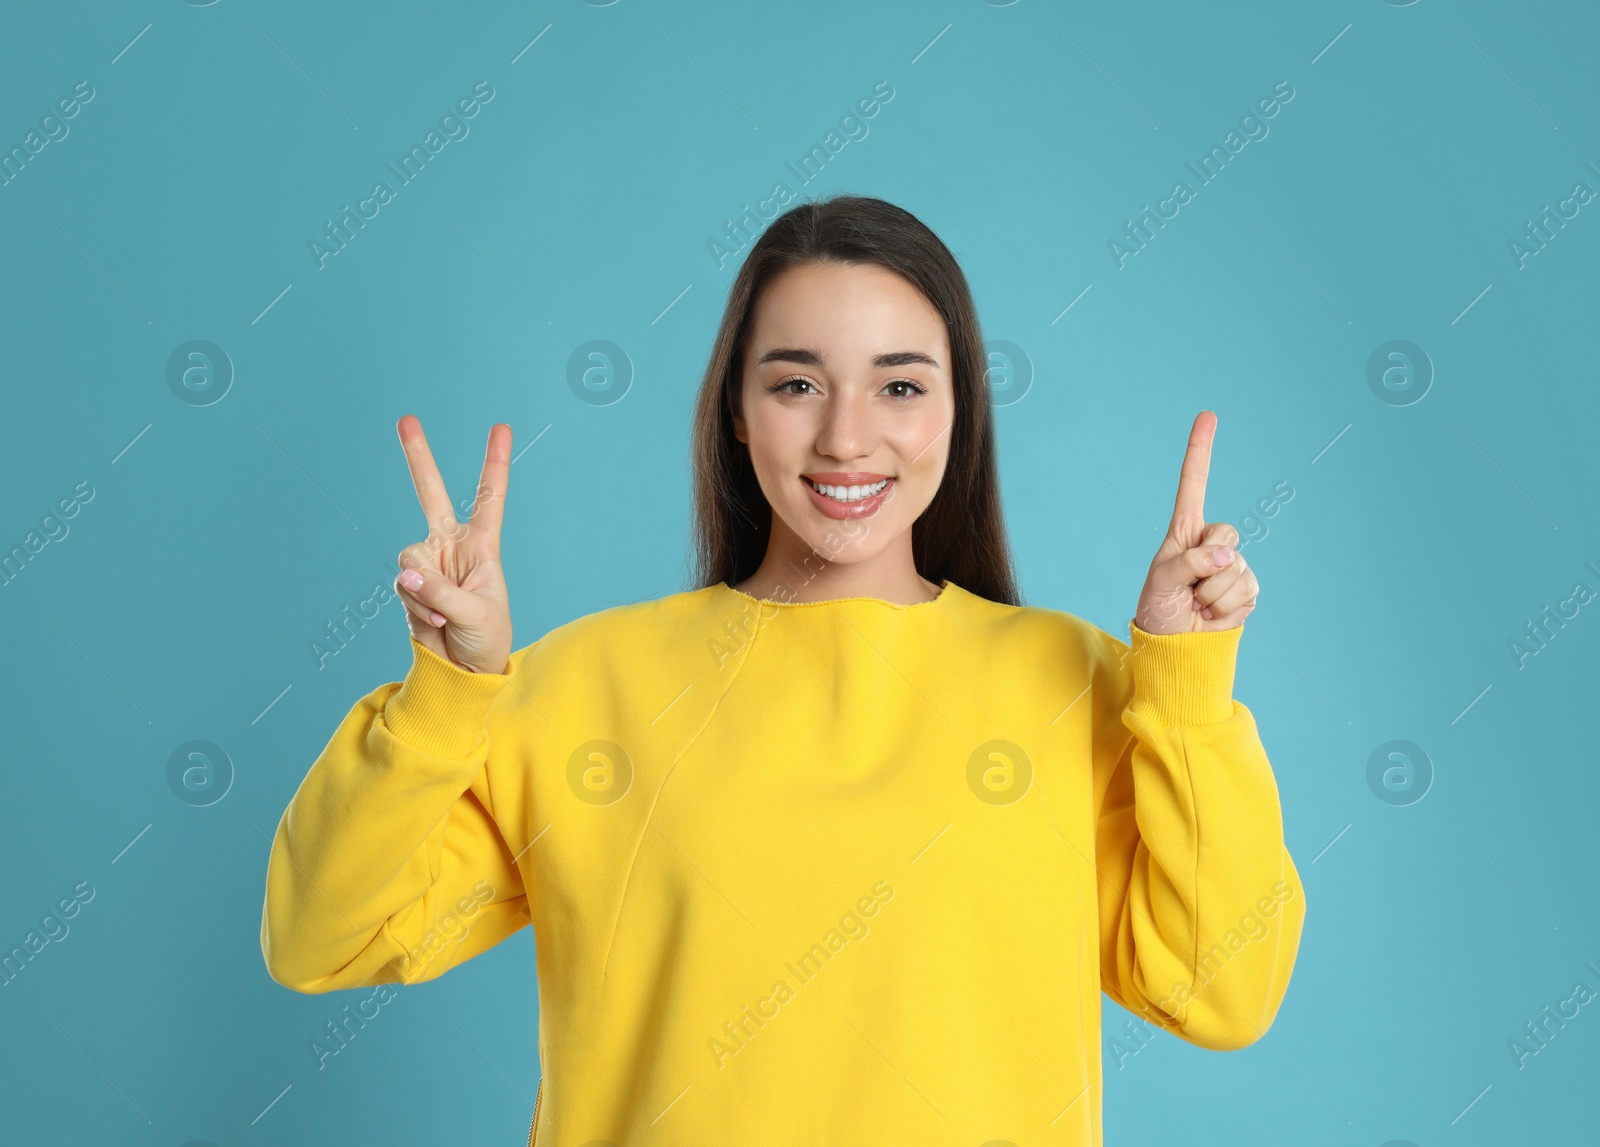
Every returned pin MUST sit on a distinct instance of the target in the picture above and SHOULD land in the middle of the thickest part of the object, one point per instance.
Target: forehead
(846, 315)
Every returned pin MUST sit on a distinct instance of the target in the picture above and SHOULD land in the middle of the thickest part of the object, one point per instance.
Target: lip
(845, 477)
(843, 511)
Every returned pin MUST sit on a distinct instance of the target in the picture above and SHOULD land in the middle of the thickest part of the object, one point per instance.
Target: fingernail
(412, 580)
(1222, 555)
(437, 618)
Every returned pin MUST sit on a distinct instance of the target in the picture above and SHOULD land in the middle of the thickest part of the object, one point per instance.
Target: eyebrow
(804, 356)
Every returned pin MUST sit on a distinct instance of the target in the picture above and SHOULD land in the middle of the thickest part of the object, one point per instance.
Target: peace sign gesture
(452, 585)
(1198, 581)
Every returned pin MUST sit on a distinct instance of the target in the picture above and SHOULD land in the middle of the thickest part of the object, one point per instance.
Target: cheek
(772, 444)
(777, 447)
(923, 445)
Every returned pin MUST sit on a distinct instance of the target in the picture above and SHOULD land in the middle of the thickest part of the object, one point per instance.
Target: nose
(846, 429)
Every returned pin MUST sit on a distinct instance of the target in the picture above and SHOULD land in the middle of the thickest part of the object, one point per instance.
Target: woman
(842, 846)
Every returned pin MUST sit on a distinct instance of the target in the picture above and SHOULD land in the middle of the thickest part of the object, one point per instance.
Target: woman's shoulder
(637, 630)
(1028, 632)
(1036, 620)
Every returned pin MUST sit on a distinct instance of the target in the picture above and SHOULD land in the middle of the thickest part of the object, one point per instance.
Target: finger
(1183, 568)
(425, 476)
(1211, 589)
(1216, 534)
(1188, 510)
(1239, 599)
(1227, 620)
(415, 608)
(421, 555)
(1220, 534)
(488, 511)
(422, 631)
(437, 592)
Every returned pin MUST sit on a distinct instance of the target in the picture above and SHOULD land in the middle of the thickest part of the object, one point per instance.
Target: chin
(848, 543)
(849, 540)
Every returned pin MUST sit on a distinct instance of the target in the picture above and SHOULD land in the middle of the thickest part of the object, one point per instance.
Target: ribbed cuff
(1184, 678)
(440, 707)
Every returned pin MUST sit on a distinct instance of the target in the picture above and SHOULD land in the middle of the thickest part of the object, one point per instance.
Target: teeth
(850, 493)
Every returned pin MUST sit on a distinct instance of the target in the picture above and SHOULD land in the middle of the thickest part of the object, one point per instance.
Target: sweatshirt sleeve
(388, 865)
(1201, 907)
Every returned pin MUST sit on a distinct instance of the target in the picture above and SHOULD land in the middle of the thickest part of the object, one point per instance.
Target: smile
(844, 502)
(848, 494)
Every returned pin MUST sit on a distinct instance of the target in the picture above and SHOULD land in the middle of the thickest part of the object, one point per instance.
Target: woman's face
(847, 406)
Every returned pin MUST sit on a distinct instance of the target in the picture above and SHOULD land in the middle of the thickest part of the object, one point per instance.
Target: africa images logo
(999, 772)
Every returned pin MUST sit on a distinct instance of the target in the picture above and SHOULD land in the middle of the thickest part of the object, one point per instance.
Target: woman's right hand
(451, 584)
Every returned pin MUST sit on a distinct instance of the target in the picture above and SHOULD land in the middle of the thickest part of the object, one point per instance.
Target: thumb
(434, 590)
(1184, 567)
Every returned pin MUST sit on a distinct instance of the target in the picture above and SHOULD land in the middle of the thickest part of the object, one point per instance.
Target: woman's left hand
(1198, 582)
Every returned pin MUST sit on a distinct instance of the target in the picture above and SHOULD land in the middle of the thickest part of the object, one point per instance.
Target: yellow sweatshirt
(829, 873)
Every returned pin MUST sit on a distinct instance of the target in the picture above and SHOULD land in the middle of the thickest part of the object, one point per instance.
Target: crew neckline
(945, 586)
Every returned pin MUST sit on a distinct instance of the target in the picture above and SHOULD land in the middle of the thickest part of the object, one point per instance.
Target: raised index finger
(1191, 501)
(488, 510)
(425, 477)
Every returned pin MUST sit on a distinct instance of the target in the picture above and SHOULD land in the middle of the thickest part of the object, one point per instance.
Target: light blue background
(185, 597)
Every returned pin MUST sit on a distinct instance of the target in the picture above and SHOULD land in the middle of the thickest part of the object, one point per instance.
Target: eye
(915, 388)
(779, 386)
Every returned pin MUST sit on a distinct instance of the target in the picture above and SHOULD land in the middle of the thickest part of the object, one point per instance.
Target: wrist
(1184, 678)
(442, 707)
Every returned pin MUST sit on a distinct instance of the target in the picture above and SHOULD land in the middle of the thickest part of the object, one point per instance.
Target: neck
(794, 570)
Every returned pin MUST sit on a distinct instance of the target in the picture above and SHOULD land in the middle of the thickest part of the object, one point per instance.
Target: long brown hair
(961, 535)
